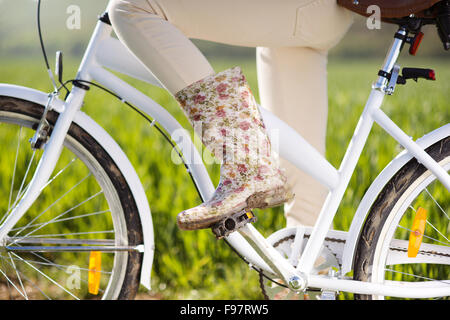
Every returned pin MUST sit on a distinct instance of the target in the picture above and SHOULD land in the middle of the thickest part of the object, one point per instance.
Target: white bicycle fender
(375, 188)
(119, 157)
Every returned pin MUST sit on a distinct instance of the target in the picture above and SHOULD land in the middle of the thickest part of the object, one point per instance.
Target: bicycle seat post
(399, 39)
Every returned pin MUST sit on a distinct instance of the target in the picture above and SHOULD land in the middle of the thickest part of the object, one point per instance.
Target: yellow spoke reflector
(417, 230)
(95, 267)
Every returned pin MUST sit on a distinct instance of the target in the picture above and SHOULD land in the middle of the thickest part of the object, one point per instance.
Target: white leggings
(292, 38)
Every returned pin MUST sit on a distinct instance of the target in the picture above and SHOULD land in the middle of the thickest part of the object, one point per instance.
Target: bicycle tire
(403, 184)
(129, 284)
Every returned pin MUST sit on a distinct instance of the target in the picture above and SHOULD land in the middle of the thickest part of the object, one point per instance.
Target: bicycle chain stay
(306, 290)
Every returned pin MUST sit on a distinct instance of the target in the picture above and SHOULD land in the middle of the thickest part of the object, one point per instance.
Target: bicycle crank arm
(47, 163)
(295, 279)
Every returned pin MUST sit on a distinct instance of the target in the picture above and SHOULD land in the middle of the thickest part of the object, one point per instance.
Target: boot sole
(259, 200)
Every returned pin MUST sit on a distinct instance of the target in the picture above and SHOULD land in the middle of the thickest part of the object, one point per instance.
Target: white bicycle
(397, 245)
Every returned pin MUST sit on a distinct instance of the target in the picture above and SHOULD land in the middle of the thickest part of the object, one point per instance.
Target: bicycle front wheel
(78, 240)
(406, 235)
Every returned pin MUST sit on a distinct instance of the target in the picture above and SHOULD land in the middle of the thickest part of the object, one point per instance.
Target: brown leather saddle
(411, 14)
(389, 8)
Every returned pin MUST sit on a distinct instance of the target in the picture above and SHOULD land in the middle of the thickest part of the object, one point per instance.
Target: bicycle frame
(104, 51)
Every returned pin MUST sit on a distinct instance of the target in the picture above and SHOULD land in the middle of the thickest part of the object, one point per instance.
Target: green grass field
(193, 265)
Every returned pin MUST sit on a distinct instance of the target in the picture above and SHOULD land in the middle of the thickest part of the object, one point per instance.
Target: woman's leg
(162, 47)
(157, 31)
(293, 85)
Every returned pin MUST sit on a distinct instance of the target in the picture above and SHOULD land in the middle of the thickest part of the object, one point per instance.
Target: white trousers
(292, 38)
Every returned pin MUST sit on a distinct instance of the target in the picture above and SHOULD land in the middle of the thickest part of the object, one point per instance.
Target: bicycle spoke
(62, 214)
(430, 224)
(442, 210)
(70, 234)
(8, 280)
(46, 276)
(25, 176)
(417, 276)
(34, 239)
(70, 248)
(48, 183)
(59, 266)
(12, 283)
(48, 208)
(440, 233)
(65, 219)
(18, 276)
(79, 211)
(59, 173)
(21, 191)
(428, 237)
(56, 201)
(14, 172)
(27, 279)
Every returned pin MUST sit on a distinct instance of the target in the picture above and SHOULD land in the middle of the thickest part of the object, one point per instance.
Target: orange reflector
(417, 230)
(95, 266)
(249, 215)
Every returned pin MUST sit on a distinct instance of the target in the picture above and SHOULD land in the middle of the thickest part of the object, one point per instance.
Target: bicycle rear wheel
(78, 240)
(413, 196)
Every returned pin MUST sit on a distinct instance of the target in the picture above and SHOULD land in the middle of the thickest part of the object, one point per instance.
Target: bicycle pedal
(232, 223)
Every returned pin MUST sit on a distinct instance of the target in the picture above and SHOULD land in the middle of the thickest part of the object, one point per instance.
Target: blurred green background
(193, 265)
(18, 33)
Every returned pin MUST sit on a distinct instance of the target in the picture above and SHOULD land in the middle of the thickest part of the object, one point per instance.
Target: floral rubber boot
(225, 115)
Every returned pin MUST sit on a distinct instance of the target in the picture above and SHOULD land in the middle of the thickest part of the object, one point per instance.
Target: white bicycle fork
(48, 161)
(53, 147)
